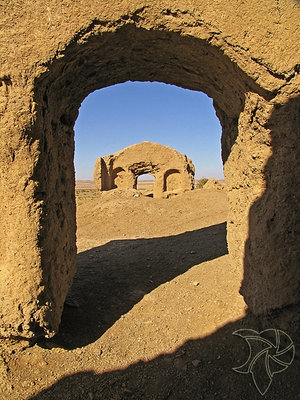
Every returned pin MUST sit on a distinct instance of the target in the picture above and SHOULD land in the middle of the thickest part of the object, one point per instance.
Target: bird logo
(271, 352)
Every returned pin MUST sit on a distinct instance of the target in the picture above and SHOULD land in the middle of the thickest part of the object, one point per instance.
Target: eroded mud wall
(54, 54)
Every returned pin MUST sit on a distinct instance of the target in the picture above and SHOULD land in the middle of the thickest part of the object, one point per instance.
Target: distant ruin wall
(173, 171)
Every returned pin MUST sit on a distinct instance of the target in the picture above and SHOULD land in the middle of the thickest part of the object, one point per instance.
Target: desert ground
(151, 312)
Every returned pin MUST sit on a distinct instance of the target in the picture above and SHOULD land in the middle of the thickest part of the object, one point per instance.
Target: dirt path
(151, 312)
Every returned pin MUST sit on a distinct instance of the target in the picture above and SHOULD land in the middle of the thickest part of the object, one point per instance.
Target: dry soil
(151, 312)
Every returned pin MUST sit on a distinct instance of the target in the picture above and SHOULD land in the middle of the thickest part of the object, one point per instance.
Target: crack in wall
(279, 11)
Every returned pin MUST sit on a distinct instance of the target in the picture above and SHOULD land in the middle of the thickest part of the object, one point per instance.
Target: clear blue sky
(119, 116)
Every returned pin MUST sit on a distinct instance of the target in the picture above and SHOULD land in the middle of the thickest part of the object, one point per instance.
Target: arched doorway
(145, 183)
(44, 203)
(172, 180)
(117, 177)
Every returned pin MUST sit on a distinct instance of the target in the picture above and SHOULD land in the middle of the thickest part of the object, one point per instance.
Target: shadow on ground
(200, 369)
(112, 278)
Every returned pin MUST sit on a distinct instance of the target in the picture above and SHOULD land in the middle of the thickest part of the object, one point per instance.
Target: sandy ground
(151, 312)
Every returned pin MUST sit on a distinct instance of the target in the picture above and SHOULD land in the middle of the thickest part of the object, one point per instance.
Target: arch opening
(118, 177)
(114, 118)
(145, 183)
(130, 53)
(172, 180)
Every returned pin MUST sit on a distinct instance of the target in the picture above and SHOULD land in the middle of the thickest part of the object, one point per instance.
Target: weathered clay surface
(173, 171)
(245, 55)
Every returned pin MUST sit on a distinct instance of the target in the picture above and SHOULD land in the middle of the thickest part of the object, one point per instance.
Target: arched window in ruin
(172, 180)
(145, 183)
(118, 178)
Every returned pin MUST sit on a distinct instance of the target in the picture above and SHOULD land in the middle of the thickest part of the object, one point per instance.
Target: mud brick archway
(245, 55)
(173, 171)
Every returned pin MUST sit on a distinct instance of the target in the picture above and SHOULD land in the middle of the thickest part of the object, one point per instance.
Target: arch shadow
(111, 279)
(198, 370)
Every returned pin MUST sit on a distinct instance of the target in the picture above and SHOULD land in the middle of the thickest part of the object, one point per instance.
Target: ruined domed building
(173, 172)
